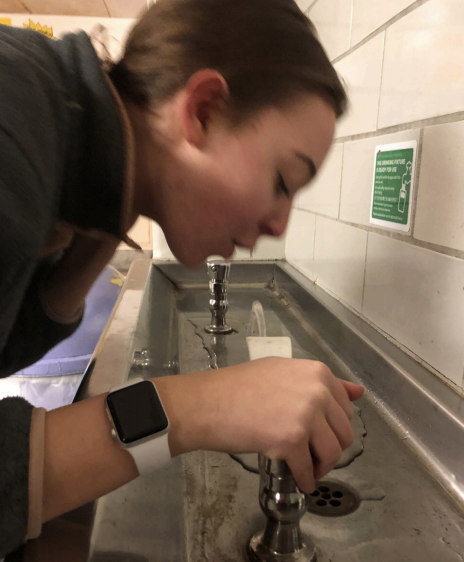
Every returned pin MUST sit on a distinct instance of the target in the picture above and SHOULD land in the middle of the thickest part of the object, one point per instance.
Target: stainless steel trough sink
(400, 500)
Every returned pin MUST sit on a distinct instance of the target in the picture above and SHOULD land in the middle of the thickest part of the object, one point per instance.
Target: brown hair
(266, 50)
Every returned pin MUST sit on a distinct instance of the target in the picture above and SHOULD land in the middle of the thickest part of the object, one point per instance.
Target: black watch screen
(137, 411)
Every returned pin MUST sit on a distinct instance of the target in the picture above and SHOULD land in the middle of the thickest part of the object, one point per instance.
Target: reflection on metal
(283, 505)
(218, 304)
(142, 359)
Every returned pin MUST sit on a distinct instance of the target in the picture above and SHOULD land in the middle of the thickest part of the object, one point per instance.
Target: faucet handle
(218, 270)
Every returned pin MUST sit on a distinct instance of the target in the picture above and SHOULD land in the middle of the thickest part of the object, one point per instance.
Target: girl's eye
(281, 187)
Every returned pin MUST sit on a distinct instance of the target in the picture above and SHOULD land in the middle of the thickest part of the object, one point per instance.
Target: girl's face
(213, 187)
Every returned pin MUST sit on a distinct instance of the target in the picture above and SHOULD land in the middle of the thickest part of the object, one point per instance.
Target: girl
(216, 115)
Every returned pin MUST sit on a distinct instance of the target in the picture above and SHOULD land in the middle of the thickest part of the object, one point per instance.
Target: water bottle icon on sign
(405, 188)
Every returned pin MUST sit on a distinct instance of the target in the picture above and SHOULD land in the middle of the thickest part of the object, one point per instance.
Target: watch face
(136, 411)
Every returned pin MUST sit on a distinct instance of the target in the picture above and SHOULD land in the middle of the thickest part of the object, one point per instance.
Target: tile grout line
(380, 29)
(394, 235)
(417, 183)
(310, 7)
(408, 126)
(314, 246)
(381, 77)
(351, 23)
(365, 273)
(341, 183)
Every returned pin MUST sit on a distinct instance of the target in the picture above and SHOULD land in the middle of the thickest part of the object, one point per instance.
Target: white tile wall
(160, 246)
(369, 16)
(440, 204)
(299, 247)
(304, 4)
(358, 171)
(269, 248)
(417, 296)
(414, 294)
(424, 64)
(242, 255)
(339, 259)
(332, 19)
(361, 70)
(323, 194)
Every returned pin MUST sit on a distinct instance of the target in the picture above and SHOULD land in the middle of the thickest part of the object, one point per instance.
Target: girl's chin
(195, 261)
(229, 253)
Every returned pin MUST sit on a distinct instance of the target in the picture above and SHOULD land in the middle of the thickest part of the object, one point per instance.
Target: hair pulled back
(266, 50)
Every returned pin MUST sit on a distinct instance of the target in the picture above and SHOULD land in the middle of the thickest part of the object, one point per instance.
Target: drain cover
(331, 498)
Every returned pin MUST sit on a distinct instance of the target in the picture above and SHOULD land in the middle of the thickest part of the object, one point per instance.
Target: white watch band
(150, 454)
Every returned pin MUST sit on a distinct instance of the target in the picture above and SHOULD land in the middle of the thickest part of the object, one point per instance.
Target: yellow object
(5, 21)
(48, 31)
(117, 280)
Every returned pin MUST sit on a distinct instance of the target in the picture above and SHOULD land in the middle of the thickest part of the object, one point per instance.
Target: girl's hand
(290, 409)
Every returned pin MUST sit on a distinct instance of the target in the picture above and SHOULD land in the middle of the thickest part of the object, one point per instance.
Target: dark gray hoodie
(61, 158)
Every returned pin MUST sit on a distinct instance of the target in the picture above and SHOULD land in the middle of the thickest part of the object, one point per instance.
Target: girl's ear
(205, 93)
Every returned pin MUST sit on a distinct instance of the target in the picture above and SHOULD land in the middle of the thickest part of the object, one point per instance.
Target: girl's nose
(275, 224)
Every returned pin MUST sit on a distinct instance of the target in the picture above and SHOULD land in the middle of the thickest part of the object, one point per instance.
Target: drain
(333, 499)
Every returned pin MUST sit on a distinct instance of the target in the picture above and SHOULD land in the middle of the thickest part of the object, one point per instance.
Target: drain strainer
(331, 498)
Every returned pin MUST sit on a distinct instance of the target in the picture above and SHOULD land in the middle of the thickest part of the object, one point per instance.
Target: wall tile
(358, 173)
(417, 297)
(361, 70)
(332, 19)
(160, 246)
(339, 258)
(323, 194)
(424, 64)
(141, 233)
(440, 204)
(269, 248)
(304, 4)
(242, 255)
(299, 247)
(369, 16)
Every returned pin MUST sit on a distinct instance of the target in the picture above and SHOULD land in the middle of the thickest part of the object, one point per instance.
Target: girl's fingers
(301, 465)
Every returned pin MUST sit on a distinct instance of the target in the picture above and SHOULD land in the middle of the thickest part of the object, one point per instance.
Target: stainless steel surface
(408, 479)
(422, 409)
(218, 272)
(283, 505)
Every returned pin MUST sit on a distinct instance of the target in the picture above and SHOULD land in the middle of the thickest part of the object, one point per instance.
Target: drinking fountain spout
(218, 272)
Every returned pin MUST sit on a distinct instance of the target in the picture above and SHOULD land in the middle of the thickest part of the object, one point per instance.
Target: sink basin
(399, 500)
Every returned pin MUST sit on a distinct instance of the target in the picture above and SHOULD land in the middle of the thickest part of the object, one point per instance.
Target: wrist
(188, 412)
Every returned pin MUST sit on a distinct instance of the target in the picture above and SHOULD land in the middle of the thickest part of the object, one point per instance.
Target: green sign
(393, 185)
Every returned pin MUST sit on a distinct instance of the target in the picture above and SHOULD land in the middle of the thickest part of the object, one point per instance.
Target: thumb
(355, 391)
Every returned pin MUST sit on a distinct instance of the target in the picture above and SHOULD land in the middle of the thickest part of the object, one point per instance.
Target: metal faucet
(284, 505)
(218, 272)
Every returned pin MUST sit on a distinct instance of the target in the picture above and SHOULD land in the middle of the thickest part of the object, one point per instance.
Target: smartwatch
(140, 423)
